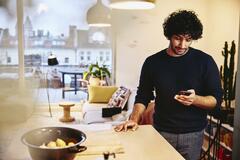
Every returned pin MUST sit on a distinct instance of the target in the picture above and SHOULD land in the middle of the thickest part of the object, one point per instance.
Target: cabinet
(218, 141)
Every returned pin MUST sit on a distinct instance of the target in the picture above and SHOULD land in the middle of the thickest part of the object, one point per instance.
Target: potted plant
(228, 74)
(96, 74)
(228, 77)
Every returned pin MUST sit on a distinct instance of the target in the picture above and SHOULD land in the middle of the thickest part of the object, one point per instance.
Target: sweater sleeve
(145, 88)
(212, 81)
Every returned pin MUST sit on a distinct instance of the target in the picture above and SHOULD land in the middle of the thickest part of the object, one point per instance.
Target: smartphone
(185, 93)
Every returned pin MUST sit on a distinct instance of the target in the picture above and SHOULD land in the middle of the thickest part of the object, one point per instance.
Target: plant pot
(94, 81)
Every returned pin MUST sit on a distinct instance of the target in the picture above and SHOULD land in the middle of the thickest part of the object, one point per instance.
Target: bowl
(35, 138)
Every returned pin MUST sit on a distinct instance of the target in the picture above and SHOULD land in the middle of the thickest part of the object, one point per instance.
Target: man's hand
(126, 125)
(135, 117)
(186, 100)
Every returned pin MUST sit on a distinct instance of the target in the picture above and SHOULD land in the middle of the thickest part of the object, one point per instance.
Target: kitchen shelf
(211, 154)
(226, 126)
(221, 143)
(204, 148)
(224, 133)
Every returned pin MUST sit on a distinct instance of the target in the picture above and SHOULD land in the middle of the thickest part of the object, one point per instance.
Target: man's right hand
(132, 123)
(126, 125)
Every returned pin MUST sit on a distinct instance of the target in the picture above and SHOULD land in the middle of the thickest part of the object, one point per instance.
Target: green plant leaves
(228, 74)
(96, 71)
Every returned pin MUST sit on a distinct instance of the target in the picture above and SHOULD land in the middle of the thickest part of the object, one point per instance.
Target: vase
(94, 81)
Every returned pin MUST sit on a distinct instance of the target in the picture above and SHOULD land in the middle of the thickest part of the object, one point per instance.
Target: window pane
(15, 90)
(8, 41)
(60, 28)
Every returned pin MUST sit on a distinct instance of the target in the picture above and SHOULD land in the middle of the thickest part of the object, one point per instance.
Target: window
(97, 37)
(8, 43)
(107, 58)
(66, 60)
(37, 42)
(66, 37)
(88, 58)
(9, 59)
(101, 58)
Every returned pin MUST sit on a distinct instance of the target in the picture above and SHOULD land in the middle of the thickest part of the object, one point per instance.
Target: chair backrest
(83, 86)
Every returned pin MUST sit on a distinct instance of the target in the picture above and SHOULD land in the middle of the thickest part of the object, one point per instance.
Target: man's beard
(179, 51)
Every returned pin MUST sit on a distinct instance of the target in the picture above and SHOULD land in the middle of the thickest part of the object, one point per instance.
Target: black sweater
(167, 76)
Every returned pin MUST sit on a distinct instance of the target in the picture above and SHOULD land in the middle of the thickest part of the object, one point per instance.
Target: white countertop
(143, 144)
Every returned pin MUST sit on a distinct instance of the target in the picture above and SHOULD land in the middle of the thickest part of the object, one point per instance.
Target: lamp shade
(52, 60)
(99, 15)
(132, 4)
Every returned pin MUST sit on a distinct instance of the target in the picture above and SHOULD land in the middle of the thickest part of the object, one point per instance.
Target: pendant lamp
(132, 4)
(99, 15)
(52, 60)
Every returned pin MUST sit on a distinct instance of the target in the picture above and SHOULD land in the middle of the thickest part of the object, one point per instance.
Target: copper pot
(35, 138)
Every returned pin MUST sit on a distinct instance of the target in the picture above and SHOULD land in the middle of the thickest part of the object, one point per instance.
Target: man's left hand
(186, 100)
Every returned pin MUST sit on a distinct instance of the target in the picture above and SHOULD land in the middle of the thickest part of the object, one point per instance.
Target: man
(180, 117)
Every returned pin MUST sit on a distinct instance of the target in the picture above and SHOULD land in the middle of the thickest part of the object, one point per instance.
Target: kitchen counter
(143, 144)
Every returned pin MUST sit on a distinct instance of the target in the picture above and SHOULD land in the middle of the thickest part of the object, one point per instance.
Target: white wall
(139, 33)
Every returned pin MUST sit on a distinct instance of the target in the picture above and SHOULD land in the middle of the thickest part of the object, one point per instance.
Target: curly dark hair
(183, 22)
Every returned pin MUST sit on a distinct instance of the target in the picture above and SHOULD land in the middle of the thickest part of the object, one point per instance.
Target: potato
(60, 143)
(52, 144)
(55, 144)
(71, 144)
(43, 146)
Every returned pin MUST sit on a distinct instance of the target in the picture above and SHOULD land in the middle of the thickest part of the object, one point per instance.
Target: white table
(143, 144)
